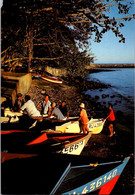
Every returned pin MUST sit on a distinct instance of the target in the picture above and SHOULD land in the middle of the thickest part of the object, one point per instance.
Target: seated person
(18, 103)
(30, 107)
(64, 110)
(56, 112)
(45, 105)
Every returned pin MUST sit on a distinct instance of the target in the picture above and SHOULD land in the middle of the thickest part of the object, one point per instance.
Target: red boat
(51, 78)
(15, 141)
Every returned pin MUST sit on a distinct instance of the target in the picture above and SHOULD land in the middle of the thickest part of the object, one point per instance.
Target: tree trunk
(30, 47)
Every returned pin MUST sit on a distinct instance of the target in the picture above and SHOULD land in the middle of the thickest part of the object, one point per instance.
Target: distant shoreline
(93, 66)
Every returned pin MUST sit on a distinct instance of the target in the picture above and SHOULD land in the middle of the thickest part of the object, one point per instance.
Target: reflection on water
(120, 95)
(122, 80)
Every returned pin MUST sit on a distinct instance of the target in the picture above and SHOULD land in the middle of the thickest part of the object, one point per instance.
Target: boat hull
(59, 174)
(94, 125)
(75, 147)
(51, 79)
(19, 141)
(101, 185)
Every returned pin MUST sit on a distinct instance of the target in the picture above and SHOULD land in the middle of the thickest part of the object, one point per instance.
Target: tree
(52, 31)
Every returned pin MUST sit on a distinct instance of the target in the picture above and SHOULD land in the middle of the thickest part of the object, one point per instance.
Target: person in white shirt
(45, 105)
(30, 107)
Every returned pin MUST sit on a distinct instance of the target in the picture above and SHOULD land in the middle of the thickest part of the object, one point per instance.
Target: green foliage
(57, 31)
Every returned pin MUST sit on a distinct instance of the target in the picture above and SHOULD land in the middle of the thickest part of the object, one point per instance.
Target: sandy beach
(100, 145)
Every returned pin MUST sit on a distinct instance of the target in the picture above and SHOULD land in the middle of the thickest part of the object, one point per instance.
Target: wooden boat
(95, 126)
(5, 119)
(100, 181)
(36, 75)
(49, 77)
(8, 156)
(24, 123)
(13, 131)
(75, 147)
(70, 144)
(9, 113)
(15, 141)
(60, 174)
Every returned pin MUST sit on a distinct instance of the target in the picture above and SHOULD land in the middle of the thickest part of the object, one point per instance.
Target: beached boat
(9, 113)
(17, 141)
(4, 119)
(100, 180)
(68, 143)
(36, 75)
(95, 126)
(15, 122)
(60, 174)
(51, 79)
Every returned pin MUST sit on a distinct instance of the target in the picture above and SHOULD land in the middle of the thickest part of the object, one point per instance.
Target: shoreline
(100, 145)
(115, 65)
(74, 94)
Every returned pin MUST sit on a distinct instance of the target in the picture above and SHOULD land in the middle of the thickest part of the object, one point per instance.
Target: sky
(109, 50)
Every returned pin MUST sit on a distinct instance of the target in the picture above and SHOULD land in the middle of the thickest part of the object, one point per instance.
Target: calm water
(121, 94)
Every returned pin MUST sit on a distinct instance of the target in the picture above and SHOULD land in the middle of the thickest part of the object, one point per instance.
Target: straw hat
(82, 105)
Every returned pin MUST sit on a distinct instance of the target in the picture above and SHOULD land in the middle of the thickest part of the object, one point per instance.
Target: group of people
(47, 109)
(61, 112)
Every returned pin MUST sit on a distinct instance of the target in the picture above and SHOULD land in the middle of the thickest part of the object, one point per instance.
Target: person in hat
(45, 105)
(18, 103)
(56, 112)
(83, 118)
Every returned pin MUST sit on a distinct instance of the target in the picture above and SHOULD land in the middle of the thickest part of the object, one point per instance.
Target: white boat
(4, 119)
(95, 126)
(67, 143)
(51, 79)
(9, 113)
(76, 146)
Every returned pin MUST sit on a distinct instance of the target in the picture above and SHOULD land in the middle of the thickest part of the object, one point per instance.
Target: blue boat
(101, 184)
(60, 174)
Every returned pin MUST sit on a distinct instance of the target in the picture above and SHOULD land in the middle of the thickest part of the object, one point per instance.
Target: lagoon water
(121, 94)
